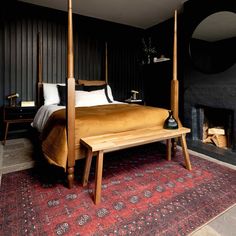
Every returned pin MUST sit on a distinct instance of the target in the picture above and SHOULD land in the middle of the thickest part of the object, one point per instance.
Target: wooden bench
(118, 141)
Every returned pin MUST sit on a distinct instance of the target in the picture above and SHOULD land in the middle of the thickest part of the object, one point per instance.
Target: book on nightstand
(27, 103)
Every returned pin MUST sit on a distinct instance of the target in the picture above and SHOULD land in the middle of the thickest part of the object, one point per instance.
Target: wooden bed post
(70, 106)
(175, 84)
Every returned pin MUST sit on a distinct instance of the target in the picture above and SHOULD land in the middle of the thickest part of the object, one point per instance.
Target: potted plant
(148, 50)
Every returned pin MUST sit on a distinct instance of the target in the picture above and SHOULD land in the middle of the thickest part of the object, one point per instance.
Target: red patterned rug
(142, 194)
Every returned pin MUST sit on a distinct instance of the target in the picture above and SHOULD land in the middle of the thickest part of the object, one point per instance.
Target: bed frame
(70, 106)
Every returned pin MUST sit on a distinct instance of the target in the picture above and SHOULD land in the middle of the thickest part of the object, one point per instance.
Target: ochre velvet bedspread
(95, 120)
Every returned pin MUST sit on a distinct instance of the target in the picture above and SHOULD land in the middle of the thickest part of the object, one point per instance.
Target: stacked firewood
(215, 135)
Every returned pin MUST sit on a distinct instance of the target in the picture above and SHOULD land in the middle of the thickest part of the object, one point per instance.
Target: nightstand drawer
(15, 113)
(16, 116)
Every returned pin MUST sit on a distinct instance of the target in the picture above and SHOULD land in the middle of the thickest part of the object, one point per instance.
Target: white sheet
(42, 116)
(45, 111)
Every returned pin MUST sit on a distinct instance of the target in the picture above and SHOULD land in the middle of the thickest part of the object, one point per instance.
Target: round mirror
(213, 43)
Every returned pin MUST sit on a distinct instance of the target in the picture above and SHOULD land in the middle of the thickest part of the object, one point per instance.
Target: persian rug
(142, 194)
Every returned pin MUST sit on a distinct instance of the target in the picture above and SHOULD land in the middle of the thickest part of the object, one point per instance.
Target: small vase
(170, 122)
(149, 59)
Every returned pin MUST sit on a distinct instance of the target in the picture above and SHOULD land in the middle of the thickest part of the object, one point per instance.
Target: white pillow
(93, 98)
(109, 93)
(50, 93)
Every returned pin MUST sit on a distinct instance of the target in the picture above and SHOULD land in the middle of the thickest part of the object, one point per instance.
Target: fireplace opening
(215, 126)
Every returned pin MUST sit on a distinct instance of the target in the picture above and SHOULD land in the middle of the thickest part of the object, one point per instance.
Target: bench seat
(116, 141)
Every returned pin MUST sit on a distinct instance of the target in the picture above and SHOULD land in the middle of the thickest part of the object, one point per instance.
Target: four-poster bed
(61, 137)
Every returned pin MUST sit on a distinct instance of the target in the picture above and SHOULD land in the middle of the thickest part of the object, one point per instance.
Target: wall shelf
(162, 59)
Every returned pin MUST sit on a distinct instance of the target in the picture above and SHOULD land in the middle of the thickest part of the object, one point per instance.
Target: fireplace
(204, 109)
(213, 126)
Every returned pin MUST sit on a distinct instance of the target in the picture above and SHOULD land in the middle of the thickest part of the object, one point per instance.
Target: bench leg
(174, 146)
(98, 177)
(185, 151)
(87, 167)
(168, 149)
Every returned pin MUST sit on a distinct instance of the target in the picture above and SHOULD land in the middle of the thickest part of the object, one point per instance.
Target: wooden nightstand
(13, 115)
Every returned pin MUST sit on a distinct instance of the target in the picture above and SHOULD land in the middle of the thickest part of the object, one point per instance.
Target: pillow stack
(87, 93)
(97, 83)
(62, 92)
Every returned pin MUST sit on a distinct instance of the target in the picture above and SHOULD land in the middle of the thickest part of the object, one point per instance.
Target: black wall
(162, 36)
(19, 26)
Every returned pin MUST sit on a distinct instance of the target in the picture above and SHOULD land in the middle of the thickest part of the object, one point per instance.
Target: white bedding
(45, 111)
(43, 114)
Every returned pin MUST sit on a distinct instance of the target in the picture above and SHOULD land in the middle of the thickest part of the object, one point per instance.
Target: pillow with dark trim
(90, 88)
(50, 94)
(62, 93)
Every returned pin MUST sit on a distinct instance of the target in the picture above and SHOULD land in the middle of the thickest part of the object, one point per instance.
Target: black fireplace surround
(211, 96)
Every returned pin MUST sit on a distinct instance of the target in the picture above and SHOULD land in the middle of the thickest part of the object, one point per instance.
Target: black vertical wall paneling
(23, 59)
(44, 51)
(61, 44)
(88, 57)
(59, 52)
(12, 57)
(91, 42)
(76, 52)
(124, 68)
(117, 66)
(54, 53)
(79, 64)
(2, 59)
(64, 55)
(1, 70)
(33, 79)
(18, 56)
(6, 60)
(49, 51)
(88, 50)
(30, 57)
(1, 62)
